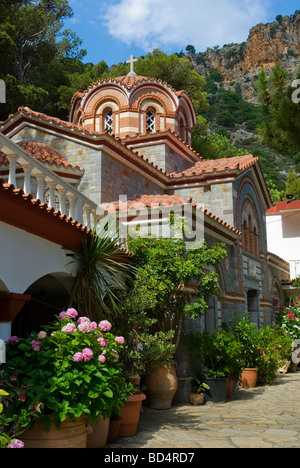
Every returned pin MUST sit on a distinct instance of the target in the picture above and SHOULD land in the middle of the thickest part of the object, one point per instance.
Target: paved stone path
(264, 417)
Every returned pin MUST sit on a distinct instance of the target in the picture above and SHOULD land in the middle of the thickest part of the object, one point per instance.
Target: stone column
(27, 178)
(40, 187)
(12, 170)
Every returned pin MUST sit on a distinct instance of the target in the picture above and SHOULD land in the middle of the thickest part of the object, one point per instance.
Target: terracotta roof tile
(155, 201)
(213, 166)
(284, 206)
(43, 153)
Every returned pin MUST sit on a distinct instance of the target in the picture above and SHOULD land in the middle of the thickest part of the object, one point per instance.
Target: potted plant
(246, 334)
(161, 379)
(70, 372)
(197, 390)
(219, 354)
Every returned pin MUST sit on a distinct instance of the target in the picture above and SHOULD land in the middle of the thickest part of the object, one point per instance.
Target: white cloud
(166, 23)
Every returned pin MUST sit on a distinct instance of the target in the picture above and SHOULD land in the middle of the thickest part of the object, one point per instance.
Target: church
(126, 145)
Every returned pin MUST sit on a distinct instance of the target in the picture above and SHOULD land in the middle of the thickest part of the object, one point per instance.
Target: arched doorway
(49, 296)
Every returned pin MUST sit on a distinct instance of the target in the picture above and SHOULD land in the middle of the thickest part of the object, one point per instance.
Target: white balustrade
(71, 202)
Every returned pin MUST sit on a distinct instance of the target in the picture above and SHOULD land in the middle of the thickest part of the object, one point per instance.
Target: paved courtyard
(264, 417)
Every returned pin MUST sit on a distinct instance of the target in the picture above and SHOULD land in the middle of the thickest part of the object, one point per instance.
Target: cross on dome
(131, 61)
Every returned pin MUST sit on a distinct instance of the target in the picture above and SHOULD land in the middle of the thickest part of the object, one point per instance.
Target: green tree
(280, 127)
(36, 53)
(215, 146)
(164, 268)
(293, 185)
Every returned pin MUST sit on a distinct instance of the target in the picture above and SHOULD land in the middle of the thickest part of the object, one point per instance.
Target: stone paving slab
(263, 417)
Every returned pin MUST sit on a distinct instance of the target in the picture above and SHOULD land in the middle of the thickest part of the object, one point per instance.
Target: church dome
(132, 104)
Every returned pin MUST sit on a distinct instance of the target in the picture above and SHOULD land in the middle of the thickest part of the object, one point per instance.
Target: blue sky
(112, 30)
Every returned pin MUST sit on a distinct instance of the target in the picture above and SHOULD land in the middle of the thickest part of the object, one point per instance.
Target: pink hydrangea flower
(105, 325)
(42, 335)
(85, 327)
(102, 358)
(94, 325)
(72, 313)
(78, 357)
(36, 345)
(15, 443)
(101, 342)
(12, 339)
(69, 328)
(120, 339)
(83, 319)
(63, 315)
(87, 354)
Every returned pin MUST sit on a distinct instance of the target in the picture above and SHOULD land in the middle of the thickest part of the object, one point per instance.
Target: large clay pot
(249, 378)
(68, 435)
(98, 437)
(130, 415)
(161, 386)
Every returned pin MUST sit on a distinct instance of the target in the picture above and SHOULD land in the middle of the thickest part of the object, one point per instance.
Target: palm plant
(102, 268)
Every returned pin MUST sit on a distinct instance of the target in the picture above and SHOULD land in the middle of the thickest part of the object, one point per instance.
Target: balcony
(43, 184)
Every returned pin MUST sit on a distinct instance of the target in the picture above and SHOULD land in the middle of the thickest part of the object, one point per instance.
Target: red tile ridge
(155, 201)
(205, 166)
(284, 206)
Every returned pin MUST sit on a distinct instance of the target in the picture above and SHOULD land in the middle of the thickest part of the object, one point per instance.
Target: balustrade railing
(45, 185)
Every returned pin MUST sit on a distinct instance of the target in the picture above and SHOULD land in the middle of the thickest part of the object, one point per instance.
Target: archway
(49, 296)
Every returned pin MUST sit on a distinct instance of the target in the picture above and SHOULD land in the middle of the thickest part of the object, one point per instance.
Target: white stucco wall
(25, 258)
(283, 236)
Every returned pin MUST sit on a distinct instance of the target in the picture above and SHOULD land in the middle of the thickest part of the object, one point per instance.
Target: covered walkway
(264, 417)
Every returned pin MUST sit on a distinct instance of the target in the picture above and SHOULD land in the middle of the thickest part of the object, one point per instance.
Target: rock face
(267, 44)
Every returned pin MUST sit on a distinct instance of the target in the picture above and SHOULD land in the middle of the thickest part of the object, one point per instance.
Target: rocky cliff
(267, 44)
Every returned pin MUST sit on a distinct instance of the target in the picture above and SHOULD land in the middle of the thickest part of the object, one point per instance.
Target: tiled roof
(213, 166)
(149, 201)
(43, 153)
(78, 130)
(129, 81)
(284, 206)
(155, 201)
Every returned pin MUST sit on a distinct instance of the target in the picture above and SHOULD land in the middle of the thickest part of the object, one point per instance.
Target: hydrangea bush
(70, 369)
(288, 317)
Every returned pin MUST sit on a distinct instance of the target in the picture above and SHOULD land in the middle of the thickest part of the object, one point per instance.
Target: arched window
(182, 129)
(250, 229)
(150, 120)
(108, 121)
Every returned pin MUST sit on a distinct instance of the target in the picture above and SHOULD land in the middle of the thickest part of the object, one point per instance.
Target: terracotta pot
(98, 437)
(130, 415)
(196, 398)
(114, 429)
(229, 388)
(161, 386)
(68, 435)
(249, 378)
